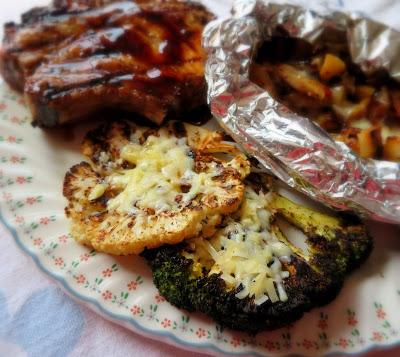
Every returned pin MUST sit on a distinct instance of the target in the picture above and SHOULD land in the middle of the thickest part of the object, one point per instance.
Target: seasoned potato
(332, 66)
(391, 149)
(302, 82)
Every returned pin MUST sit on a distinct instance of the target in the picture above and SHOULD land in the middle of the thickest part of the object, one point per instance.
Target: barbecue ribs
(76, 57)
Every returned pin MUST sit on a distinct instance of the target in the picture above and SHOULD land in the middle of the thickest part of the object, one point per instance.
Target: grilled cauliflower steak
(146, 187)
(252, 275)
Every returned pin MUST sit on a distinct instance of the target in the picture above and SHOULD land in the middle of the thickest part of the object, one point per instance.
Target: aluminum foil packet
(292, 147)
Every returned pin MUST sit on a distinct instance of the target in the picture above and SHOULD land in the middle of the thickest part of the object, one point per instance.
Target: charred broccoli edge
(172, 277)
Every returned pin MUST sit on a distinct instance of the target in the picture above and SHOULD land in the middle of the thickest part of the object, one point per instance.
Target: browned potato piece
(338, 94)
(391, 149)
(364, 142)
(331, 67)
(369, 141)
(303, 82)
(351, 111)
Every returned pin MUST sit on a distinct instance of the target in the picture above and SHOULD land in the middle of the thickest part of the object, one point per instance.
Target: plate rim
(165, 336)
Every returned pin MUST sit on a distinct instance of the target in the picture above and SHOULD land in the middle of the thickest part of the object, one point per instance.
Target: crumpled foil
(295, 149)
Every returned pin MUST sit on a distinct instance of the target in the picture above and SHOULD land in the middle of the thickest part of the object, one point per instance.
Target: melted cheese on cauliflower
(245, 252)
(162, 167)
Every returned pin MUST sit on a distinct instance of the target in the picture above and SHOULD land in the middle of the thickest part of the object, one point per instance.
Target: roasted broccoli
(254, 274)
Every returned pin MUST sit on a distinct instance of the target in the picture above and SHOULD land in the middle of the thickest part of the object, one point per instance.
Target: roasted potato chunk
(332, 66)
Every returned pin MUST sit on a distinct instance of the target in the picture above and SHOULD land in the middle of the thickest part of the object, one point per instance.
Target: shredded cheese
(162, 166)
(245, 252)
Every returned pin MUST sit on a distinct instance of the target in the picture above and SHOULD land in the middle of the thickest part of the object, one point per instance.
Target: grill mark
(49, 16)
(112, 79)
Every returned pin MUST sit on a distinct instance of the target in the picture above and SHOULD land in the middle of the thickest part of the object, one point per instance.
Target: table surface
(79, 331)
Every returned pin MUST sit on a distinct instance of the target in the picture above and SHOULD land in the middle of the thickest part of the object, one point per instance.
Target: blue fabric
(46, 310)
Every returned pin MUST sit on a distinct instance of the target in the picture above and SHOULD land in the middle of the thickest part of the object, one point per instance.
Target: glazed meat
(75, 58)
(42, 31)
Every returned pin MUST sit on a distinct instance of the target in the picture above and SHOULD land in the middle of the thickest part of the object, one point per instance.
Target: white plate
(32, 166)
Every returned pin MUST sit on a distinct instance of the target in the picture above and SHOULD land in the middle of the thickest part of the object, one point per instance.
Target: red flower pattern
(31, 200)
(59, 261)
(352, 321)
(107, 295)
(80, 279)
(132, 285)
(200, 332)
(45, 221)
(307, 344)
(20, 180)
(235, 341)
(377, 336)
(15, 120)
(343, 342)
(135, 310)
(322, 324)
(269, 345)
(2, 106)
(7, 196)
(12, 139)
(19, 219)
(380, 313)
(63, 238)
(159, 298)
(166, 323)
(14, 159)
(84, 257)
(107, 272)
(37, 241)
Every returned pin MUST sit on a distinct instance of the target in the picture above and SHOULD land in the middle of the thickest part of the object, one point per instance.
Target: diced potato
(349, 137)
(391, 149)
(365, 91)
(338, 95)
(332, 66)
(303, 82)
(392, 130)
(351, 111)
(369, 141)
(365, 142)
(361, 124)
(396, 101)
